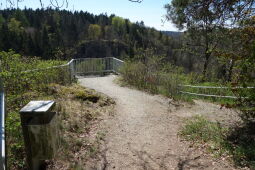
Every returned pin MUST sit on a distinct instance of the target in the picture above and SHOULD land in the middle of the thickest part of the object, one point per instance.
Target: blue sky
(149, 11)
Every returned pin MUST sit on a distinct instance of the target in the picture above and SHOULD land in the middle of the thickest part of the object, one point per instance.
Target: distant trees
(94, 31)
(15, 27)
(59, 33)
(119, 26)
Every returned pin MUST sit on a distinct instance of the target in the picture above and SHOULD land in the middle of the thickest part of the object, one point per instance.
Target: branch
(139, 1)
(55, 3)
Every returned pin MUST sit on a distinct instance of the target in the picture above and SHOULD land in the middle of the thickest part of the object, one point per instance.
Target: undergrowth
(153, 76)
(237, 142)
(159, 77)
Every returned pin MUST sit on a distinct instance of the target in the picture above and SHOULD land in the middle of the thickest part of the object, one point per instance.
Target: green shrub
(153, 76)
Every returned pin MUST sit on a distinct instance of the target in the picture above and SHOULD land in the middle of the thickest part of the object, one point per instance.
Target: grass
(78, 116)
(237, 142)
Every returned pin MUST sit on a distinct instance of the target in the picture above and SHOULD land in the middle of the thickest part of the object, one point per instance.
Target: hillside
(173, 34)
(51, 33)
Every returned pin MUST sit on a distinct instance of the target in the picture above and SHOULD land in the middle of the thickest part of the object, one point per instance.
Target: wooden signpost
(39, 125)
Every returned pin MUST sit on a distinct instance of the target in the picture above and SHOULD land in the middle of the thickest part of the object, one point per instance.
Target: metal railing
(2, 130)
(211, 87)
(83, 66)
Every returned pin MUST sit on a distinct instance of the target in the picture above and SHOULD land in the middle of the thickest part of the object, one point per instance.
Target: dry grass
(79, 111)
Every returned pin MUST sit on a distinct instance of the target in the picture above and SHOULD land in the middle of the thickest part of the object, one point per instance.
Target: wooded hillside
(61, 34)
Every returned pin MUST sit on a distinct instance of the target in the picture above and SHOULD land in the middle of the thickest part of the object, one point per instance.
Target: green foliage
(228, 53)
(2, 20)
(83, 95)
(102, 48)
(15, 26)
(94, 31)
(119, 25)
(236, 142)
(242, 54)
(207, 24)
(153, 76)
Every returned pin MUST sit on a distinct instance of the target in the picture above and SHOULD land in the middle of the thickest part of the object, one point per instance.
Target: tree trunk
(206, 63)
(230, 70)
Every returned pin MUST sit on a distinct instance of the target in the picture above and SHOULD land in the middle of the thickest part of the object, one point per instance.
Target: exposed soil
(143, 134)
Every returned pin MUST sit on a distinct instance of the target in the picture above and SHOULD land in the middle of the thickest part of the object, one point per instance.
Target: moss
(85, 96)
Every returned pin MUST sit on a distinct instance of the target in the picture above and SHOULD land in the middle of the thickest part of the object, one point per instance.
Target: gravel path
(143, 133)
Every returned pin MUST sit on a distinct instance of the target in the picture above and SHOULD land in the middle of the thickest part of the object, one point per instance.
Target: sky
(149, 11)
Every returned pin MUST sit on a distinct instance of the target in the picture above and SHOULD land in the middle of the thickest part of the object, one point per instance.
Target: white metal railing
(2, 130)
(215, 87)
(211, 87)
(208, 95)
(96, 65)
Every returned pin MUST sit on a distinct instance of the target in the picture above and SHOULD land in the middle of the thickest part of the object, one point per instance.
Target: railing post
(71, 69)
(39, 125)
(2, 130)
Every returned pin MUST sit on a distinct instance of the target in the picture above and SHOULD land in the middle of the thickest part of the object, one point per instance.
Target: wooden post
(39, 125)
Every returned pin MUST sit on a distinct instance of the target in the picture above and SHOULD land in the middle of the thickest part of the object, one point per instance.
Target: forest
(60, 34)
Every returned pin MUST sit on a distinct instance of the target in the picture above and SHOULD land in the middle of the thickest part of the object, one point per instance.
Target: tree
(14, 26)
(46, 48)
(204, 21)
(94, 31)
(2, 20)
(119, 25)
(243, 55)
(109, 33)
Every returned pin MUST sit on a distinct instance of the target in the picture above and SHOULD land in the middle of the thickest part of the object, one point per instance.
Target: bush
(153, 76)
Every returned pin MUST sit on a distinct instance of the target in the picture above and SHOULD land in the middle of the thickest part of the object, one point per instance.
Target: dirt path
(143, 133)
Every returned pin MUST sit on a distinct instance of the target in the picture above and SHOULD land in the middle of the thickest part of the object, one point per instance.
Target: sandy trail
(143, 133)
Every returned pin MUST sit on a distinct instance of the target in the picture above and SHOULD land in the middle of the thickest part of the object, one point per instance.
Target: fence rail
(212, 87)
(208, 95)
(215, 87)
